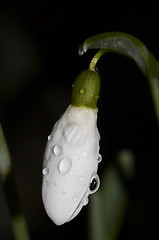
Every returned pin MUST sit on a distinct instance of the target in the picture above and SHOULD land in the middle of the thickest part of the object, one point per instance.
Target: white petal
(70, 159)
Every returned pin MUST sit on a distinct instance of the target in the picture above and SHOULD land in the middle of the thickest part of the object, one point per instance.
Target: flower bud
(72, 154)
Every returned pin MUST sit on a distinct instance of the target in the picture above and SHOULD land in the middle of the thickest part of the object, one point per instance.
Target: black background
(38, 63)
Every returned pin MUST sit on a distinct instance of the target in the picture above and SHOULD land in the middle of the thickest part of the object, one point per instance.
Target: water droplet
(84, 154)
(94, 183)
(82, 91)
(85, 201)
(82, 51)
(46, 184)
(57, 150)
(45, 171)
(50, 138)
(99, 158)
(71, 172)
(65, 165)
(75, 198)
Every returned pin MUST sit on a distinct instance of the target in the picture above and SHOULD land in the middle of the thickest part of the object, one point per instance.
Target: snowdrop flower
(72, 153)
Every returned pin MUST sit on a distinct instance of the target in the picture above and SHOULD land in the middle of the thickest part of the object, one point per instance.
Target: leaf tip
(82, 49)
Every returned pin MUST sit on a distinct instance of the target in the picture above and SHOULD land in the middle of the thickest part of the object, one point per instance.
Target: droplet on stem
(82, 91)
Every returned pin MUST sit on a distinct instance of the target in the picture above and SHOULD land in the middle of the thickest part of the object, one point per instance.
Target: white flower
(70, 164)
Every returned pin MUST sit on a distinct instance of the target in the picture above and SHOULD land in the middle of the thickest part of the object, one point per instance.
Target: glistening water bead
(65, 165)
(45, 171)
(57, 150)
(85, 202)
(99, 158)
(50, 138)
(82, 91)
(94, 184)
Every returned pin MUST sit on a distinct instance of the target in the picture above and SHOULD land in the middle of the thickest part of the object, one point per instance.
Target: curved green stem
(92, 65)
(19, 226)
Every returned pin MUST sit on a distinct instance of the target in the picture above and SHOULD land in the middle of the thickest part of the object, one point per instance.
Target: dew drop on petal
(57, 150)
(94, 184)
(82, 91)
(84, 154)
(99, 158)
(45, 171)
(71, 172)
(46, 184)
(65, 165)
(50, 138)
(85, 201)
(75, 198)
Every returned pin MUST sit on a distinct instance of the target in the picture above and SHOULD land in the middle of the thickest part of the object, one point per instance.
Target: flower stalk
(92, 65)
(131, 47)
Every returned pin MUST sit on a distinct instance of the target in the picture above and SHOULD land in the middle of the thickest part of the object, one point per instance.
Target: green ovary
(85, 89)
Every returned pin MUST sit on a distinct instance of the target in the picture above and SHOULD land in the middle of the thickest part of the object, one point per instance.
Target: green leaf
(5, 160)
(129, 46)
(109, 205)
(18, 221)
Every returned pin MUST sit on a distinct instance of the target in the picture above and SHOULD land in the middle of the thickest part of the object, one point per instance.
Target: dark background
(38, 63)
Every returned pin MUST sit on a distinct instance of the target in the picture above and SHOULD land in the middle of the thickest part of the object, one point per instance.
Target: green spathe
(85, 89)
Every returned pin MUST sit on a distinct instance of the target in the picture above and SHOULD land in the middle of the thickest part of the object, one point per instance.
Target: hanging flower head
(72, 153)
